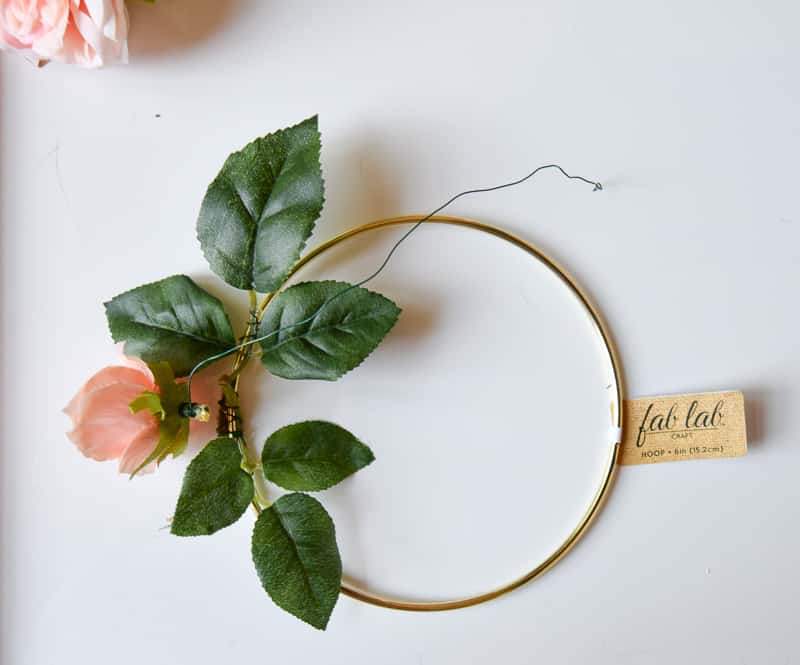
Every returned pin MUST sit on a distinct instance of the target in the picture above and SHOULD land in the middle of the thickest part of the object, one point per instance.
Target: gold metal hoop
(616, 414)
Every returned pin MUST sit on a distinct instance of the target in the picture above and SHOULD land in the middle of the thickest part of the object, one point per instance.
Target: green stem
(262, 500)
(233, 414)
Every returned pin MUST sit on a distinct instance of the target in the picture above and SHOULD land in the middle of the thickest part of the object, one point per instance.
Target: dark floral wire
(190, 408)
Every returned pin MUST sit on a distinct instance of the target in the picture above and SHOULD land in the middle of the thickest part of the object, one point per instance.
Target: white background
(688, 112)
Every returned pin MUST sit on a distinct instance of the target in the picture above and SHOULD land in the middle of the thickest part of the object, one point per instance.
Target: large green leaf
(328, 342)
(172, 320)
(216, 490)
(261, 208)
(297, 559)
(312, 456)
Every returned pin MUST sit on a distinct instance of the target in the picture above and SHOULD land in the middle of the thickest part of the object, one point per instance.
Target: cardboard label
(683, 427)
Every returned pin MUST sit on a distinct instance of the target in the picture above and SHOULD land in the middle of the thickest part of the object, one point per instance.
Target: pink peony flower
(104, 427)
(90, 33)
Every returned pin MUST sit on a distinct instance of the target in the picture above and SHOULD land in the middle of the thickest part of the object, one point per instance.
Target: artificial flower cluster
(89, 33)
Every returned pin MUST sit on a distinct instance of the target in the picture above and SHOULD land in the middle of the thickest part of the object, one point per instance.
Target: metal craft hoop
(616, 414)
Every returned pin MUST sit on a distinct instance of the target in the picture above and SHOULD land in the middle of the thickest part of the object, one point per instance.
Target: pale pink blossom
(90, 33)
(104, 427)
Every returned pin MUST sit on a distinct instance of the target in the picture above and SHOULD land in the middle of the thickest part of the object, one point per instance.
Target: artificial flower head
(90, 33)
(106, 427)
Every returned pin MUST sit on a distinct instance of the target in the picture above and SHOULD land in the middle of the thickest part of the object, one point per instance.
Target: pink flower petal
(104, 385)
(104, 424)
(138, 450)
(105, 441)
(135, 363)
(8, 40)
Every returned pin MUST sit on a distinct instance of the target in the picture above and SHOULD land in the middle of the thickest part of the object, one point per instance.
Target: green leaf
(260, 210)
(173, 430)
(148, 401)
(312, 455)
(334, 339)
(216, 490)
(172, 320)
(297, 559)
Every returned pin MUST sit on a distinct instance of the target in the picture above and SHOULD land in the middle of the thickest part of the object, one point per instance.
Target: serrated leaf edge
(265, 463)
(248, 476)
(398, 311)
(221, 342)
(305, 576)
(304, 243)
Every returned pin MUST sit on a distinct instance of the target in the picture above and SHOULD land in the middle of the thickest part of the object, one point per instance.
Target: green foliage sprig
(253, 225)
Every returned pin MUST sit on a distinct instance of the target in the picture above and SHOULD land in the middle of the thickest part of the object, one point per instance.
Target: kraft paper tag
(683, 427)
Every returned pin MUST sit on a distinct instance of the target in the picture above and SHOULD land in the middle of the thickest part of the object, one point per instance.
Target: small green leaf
(334, 340)
(297, 559)
(173, 430)
(216, 491)
(312, 455)
(148, 401)
(172, 320)
(259, 211)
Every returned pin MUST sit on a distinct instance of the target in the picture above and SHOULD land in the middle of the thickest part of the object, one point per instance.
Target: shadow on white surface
(755, 413)
(367, 181)
(170, 25)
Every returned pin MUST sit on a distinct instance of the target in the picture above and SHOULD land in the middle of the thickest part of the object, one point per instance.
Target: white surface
(689, 113)
(485, 465)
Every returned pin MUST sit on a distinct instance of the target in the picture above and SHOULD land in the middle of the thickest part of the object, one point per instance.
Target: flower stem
(231, 423)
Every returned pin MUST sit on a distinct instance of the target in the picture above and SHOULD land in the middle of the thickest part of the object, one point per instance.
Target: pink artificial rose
(90, 33)
(104, 427)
